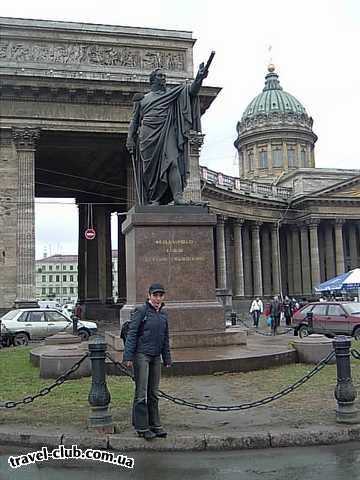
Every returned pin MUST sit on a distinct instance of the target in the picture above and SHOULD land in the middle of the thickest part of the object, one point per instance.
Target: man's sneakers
(148, 435)
(159, 432)
(153, 433)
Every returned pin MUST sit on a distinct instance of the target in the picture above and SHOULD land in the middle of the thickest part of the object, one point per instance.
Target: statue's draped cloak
(166, 118)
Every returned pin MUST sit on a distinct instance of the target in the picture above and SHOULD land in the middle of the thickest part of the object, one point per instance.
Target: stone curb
(317, 435)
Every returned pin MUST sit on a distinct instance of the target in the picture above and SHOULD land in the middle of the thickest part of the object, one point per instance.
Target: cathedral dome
(273, 99)
(274, 134)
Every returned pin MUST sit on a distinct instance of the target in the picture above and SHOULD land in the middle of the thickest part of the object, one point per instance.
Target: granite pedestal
(174, 245)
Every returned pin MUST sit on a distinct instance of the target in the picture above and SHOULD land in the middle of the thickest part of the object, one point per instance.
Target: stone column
(296, 260)
(220, 253)
(329, 251)
(289, 261)
(248, 278)
(256, 256)
(266, 260)
(305, 259)
(238, 259)
(339, 246)
(121, 262)
(25, 140)
(353, 246)
(275, 259)
(193, 188)
(314, 252)
(81, 252)
(103, 220)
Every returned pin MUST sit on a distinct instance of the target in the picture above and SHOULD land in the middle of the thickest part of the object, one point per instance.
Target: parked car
(329, 318)
(27, 324)
(49, 304)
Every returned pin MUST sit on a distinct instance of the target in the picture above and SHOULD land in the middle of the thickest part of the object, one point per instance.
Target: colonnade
(255, 258)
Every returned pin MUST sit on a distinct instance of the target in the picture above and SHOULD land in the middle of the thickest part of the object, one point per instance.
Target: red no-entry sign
(90, 234)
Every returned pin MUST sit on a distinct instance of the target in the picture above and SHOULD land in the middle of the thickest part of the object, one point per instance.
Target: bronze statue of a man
(158, 133)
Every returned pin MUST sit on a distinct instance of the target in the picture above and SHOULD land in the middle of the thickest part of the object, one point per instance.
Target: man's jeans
(146, 400)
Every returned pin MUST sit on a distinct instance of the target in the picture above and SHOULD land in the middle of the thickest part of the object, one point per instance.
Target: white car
(34, 323)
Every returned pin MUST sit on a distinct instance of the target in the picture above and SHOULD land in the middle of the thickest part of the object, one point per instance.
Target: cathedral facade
(283, 225)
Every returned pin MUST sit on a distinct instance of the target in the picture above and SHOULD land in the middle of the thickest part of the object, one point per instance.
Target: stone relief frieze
(90, 54)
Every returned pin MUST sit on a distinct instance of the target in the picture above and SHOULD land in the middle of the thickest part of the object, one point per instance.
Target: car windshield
(353, 307)
(10, 315)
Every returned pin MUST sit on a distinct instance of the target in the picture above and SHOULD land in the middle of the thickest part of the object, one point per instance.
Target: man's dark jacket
(148, 333)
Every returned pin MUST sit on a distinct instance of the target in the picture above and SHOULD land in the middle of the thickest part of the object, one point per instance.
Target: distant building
(57, 278)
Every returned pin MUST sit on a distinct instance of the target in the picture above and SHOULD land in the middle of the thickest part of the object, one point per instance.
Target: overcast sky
(315, 47)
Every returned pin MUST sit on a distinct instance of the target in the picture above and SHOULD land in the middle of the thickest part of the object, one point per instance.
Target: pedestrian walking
(146, 341)
(275, 312)
(287, 309)
(256, 310)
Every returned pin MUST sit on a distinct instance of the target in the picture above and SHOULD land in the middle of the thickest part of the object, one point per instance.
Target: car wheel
(356, 333)
(303, 331)
(84, 335)
(20, 339)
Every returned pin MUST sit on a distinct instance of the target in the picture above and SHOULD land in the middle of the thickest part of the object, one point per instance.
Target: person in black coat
(275, 312)
(147, 340)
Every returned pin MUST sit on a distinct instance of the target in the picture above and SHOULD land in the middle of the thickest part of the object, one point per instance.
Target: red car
(328, 318)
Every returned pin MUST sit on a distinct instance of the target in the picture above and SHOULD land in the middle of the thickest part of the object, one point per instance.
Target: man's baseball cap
(156, 288)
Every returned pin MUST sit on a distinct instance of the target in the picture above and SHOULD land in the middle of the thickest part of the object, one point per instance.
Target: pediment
(349, 189)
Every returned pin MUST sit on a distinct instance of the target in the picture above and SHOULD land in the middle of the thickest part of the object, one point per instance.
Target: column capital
(313, 222)
(196, 140)
(221, 219)
(239, 221)
(303, 226)
(25, 138)
(274, 226)
(339, 222)
(255, 225)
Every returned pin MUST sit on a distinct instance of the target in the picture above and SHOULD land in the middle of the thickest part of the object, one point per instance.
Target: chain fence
(243, 406)
(46, 390)
(259, 332)
(355, 353)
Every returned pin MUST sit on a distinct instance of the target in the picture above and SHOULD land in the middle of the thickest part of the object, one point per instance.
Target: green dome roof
(273, 99)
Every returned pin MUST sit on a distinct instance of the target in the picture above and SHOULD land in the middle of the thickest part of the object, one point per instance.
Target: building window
(303, 157)
(39, 270)
(50, 290)
(64, 267)
(43, 291)
(57, 267)
(50, 267)
(50, 278)
(64, 278)
(43, 278)
(251, 159)
(57, 290)
(263, 159)
(71, 290)
(43, 267)
(291, 157)
(71, 278)
(71, 267)
(277, 157)
(64, 290)
(57, 278)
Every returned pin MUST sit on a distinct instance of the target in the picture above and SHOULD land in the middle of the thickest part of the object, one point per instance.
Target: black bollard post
(233, 318)
(345, 392)
(100, 418)
(75, 320)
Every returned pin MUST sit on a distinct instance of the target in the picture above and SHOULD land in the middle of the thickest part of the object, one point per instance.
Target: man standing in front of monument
(158, 135)
(147, 339)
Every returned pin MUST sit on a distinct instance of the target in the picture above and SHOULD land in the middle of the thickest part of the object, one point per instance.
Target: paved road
(341, 462)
